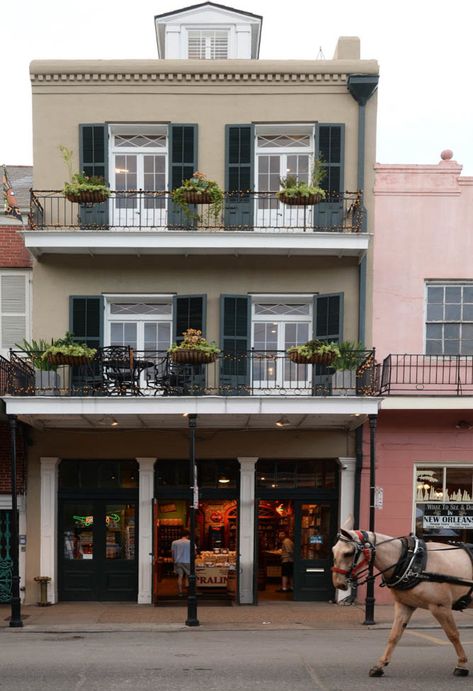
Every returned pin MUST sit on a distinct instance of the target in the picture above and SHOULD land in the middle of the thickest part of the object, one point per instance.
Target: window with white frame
(142, 322)
(138, 161)
(14, 308)
(207, 44)
(449, 318)
(278, 324)
(444, 501)
(282, 151)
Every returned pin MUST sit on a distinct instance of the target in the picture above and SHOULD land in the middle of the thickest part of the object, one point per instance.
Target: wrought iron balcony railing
(120, 371)
(248, 211)
(427, 375)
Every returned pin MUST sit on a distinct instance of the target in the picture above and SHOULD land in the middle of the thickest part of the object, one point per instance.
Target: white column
(145, 530)
(48, 524)
(347, 500)
(247, 529)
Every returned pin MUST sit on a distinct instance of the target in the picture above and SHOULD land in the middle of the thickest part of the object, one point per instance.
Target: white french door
(272, 335)
(138, 174)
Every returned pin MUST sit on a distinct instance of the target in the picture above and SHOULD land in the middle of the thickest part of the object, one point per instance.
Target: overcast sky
(424, 48)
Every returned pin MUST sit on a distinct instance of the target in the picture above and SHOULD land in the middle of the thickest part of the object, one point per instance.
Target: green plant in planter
(83, 188)
(198, 190)
(66, 351)
(34, 350)
(194, 349)
(295, 191)
(352, 354)
(314, 352)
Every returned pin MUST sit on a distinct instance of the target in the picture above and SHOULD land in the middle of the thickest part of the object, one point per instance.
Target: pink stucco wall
(424, 230)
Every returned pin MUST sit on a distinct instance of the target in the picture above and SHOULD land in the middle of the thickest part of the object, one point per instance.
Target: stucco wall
(424, 223)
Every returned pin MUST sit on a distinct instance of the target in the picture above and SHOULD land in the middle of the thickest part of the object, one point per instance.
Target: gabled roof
(211, 4)
(21, 180)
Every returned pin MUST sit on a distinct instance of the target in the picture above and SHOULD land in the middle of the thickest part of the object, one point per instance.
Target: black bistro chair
(117, 371)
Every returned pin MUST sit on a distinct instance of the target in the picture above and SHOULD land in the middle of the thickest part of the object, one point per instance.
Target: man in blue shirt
(181, 554)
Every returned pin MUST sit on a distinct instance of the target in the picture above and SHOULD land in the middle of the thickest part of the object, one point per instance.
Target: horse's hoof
(376, 672)
(461, 672)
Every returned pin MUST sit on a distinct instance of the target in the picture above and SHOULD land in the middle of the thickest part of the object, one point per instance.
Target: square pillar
(346, 501)
(246, 530)
(145, 530)
(48, 523)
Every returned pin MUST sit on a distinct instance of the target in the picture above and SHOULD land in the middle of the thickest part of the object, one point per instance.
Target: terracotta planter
(299, 200)
(192, 357)
(90, 197)
(74, 360)
(191, 197)
(315, 359)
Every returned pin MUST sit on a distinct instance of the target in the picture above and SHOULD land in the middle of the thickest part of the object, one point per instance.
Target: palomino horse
(431, 576)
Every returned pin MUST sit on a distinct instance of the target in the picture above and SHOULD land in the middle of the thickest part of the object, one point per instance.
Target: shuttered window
(14, 308)
(207, 45)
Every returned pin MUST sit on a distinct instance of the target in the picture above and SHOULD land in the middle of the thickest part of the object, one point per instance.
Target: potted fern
(198, 190)
(352, 354)
(295, 192)
(65, 351)
(314, 352)
(193, 349)
(81, 188)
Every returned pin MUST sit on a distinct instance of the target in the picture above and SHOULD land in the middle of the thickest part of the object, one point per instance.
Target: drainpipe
(362, 87)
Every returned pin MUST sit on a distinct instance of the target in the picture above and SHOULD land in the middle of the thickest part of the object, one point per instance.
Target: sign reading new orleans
(448, 516)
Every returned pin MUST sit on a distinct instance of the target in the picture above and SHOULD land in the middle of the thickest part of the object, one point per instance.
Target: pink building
(423, 333)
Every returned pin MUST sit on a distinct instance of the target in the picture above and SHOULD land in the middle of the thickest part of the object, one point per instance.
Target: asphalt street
(201, 660)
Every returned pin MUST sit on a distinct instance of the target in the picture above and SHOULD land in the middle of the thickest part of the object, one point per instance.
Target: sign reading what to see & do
(448, 516)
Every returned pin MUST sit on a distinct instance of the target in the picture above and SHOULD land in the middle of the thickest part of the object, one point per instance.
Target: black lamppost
(370, 600)
(15, 619)
(192, 594)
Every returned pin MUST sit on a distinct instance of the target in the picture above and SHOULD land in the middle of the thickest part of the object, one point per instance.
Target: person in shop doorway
(287, 562)
(181, 555)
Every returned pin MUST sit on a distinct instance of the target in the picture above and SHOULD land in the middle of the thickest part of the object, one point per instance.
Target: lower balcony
(119, 371)
(427, 375)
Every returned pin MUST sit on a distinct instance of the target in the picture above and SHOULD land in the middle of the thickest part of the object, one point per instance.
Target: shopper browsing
(287, 562)
(181, 555)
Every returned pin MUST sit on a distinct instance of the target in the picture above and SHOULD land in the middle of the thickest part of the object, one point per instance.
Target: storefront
(216, 528)
(98, 526)
(299, 499)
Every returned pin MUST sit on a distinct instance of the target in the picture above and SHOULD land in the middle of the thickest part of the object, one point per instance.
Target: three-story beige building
(108, 480)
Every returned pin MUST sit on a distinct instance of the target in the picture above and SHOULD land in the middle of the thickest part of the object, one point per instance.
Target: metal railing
(246, 211)
(153, 373)
(428, 375)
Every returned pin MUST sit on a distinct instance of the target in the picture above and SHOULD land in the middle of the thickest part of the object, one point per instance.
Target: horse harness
(409, 570)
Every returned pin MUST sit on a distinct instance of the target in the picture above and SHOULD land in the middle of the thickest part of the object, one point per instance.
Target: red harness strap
(366, 551)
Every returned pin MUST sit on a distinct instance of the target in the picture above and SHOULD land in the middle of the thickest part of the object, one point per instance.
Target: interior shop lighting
(224, 480)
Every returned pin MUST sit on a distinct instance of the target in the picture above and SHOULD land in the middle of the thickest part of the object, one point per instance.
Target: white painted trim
(346, 500)
(142, 241)
(199, 405)
(416, 402)
(144, 539)
(48, 523)
(246, 529)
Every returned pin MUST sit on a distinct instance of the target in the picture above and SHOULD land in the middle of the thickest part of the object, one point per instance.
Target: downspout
(362, 87)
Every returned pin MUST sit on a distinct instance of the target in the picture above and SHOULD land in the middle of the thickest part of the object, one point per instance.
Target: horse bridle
(363, 554)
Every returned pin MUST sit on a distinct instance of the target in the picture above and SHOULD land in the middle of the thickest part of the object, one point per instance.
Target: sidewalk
(98, 616)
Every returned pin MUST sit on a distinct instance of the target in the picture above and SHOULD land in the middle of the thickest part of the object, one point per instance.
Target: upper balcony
(141, 222)
(426, 381)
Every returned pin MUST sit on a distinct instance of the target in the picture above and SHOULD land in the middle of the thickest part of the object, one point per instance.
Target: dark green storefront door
(313, 538)
(97, 549)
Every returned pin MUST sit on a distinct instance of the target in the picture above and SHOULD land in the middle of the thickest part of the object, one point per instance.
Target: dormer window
(207, 44)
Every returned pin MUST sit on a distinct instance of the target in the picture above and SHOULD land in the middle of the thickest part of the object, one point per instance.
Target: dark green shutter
(93, 160)
(86, 324)
(182, 165)
(239, 165)
(189, 312)
(330, 147)
(235, 319)
(327, 326)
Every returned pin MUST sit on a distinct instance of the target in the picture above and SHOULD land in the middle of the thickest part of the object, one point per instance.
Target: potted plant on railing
(352, 354)
(81, 188)
(295, 192)
(198, 190)
(314, 352)
(47, 380)
(65, 351)
(193, 349)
